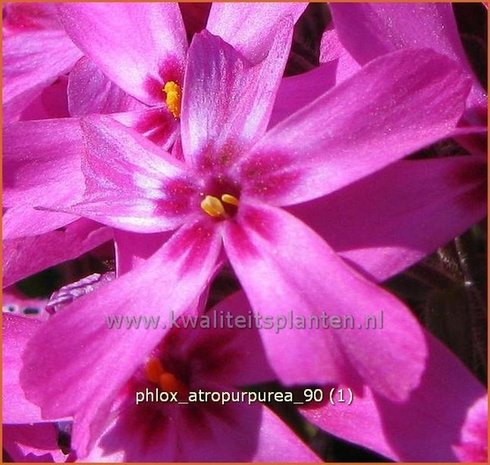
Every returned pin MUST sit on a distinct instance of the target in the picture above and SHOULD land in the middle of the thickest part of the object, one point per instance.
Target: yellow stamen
(229, 199)
(153, 370)
(173, 97)
(213, 206)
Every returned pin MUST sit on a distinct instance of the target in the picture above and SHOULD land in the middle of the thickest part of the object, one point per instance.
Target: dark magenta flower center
(221, 198)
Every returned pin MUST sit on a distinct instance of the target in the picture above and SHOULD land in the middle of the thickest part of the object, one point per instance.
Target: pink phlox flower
(226, 195)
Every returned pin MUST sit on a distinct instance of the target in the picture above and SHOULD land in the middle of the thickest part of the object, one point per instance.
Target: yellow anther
(213, 206)
(229, 199)
(172, 99)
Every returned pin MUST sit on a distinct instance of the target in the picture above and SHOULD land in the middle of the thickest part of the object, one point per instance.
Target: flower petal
(157, 124)
(195, 433)
(26, 221)
(295, 92)
(131, 183)
(132, 249)
(32, 443)
(89, 91)
(103, 359)
(395, 105)
(41, 160)
(227, 102)
(331, 50)
(17, 331)
(26, 256)
(474, 435)
(284, 267)
(36, 52)
(368, 30)
(35, 59)
(12, 110)
(51, 103)
(135, 45)
(424, 427)
(277, 443)
(248, 26)
(388, 221)
(219, 359)
(19, 17)
(38, 160)
(224, 343)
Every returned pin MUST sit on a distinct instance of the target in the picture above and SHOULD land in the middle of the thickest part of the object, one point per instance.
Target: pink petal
(424, 427)
(17, 330)
(331, 50)
(24, 220)
(38, 160)
(219, 359)
(135, 45)
(248, 27)
(139, 187)
(121, 441)
(226, 101)
(41, 162)
(412, 98)
(390, 220)
(277, 443)
(284, 267)
(32, 443)
(253, 434)
(89, 91)
(20, 17)
(133, 249)
(369, 30)
(35, 59)
(51, 103)
(30, 18)
(13, 109)
(296, 92)
(26, 256)
(474, 436)
(102, 360)
(156, 124)
(330, 47)
(229, 356)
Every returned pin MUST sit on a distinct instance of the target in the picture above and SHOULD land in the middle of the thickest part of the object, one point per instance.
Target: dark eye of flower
(221, 198)
(165, 380)
(220, 207)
